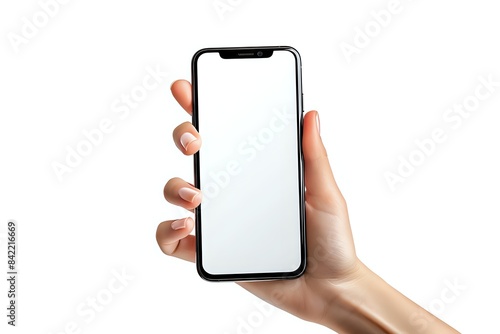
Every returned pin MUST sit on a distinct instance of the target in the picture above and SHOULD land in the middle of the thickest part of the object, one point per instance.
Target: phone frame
(251, 52)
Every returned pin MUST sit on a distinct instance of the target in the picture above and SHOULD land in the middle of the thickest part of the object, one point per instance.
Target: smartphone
(247, 107)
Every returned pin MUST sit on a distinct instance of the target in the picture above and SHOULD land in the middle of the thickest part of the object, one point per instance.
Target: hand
(331, 259)
(337, 290)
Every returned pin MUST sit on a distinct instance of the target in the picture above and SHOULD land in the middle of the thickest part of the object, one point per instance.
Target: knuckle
(169, 186)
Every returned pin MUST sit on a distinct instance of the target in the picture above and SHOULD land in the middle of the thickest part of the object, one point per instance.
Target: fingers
(187, 139)
(181, 90)
(180, 193)
(173, 235)
(174, 239)
(321, 189)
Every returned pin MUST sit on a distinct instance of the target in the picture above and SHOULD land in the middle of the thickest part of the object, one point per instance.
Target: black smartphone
(247, 107)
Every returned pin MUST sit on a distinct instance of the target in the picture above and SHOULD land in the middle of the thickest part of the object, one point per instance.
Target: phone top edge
(243, 48)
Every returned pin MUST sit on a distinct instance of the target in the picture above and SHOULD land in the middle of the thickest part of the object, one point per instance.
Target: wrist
(346, 302)
(365, 303)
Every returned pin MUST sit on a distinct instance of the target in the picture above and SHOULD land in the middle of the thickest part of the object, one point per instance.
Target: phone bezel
(246, 52)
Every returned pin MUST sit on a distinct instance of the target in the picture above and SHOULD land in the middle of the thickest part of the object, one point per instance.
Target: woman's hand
(337, 290)
(331, 255)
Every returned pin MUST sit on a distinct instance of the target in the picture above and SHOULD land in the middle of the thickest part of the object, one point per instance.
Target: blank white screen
(249, 175)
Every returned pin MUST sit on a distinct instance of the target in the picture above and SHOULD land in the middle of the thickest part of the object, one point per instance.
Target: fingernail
(186, 139)
(317, 121)
(188, 194)
(178, 224)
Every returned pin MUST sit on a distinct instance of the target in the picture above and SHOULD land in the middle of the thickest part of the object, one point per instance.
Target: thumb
(322, 191)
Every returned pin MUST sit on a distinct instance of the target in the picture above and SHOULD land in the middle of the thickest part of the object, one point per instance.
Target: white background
(440, 224)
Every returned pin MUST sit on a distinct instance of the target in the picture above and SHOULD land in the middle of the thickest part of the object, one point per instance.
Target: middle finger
(180, 193)
(186, 138)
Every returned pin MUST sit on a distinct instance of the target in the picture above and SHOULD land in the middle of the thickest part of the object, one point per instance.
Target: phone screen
(248, 111)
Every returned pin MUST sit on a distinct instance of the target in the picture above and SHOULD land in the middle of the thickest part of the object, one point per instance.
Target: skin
(337, 290)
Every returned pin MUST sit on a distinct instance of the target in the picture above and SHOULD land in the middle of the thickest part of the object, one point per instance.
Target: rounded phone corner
(299, 271)
(206, 276)
(295, 53)
(198, 53)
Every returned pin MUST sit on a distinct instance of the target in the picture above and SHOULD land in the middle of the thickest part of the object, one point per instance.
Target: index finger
(181, 90)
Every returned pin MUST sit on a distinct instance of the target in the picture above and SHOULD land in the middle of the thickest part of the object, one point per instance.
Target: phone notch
(245, 53)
